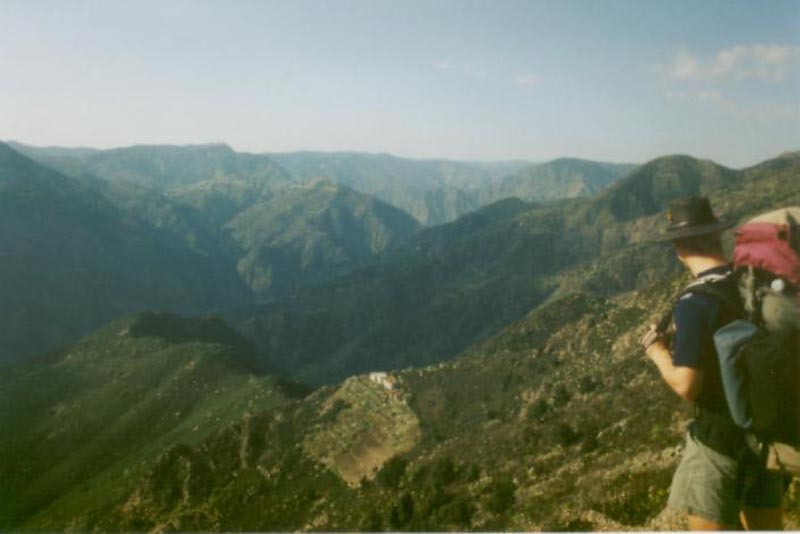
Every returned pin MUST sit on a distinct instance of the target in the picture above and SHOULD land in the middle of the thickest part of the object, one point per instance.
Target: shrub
(538, 409)
(566, 436)
(587, 384)
(641, 496)
(456, 513)
(402, 512)
(444, 471)
(502, 495)
(561, 396)
(590, 444)
(572, 525)
(372, 522)
(473, 472)
(392, 472)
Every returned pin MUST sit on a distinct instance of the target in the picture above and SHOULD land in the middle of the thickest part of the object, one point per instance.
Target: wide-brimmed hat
(692, 216)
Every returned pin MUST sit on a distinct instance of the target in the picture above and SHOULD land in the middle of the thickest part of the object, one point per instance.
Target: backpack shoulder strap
(719, 287)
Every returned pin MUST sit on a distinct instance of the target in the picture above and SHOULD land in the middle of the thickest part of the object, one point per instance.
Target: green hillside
(556, 423)
(73, 260)
(650, 188)
(561, 178)
(455, 284)
(549, 418)
(82, 424)
(292, 236)
(276, 237)
(171, 216)
(83, 251)
(306, 234)
(219, 201)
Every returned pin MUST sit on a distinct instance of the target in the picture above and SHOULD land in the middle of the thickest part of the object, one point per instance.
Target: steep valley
(479, 375)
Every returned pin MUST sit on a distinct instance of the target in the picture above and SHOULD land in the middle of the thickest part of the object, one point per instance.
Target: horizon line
(778, 154)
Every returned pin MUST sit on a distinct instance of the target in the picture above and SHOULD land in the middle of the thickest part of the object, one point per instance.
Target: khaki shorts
(706, 485)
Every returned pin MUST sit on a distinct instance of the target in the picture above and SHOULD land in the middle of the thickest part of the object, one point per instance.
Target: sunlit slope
(558, 422)
(80, 425)
(306, 234)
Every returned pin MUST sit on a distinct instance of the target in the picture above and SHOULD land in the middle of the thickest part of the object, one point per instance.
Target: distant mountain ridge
(362, 170)
(440, 191)
(162, 166)
(434, 191)
(226, 206)
(560, 178)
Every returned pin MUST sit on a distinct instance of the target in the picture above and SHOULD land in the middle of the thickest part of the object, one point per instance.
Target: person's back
(700, 311)
(718, 476)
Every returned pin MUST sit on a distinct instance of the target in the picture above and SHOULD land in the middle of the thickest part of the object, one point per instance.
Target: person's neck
(700, 264)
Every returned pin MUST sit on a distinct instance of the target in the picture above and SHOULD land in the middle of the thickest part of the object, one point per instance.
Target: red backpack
(760, 356)
(767, 259)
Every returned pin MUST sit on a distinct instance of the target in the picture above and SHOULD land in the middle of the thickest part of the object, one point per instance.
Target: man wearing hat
(719, 481)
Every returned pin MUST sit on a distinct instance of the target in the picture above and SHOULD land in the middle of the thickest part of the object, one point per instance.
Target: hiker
(719, 481)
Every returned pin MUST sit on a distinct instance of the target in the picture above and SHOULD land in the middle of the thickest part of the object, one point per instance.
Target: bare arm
(685, 381)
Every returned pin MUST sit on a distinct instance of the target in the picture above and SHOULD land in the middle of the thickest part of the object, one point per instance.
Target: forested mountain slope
(550, 419)
(88, 421)
(79, 252)
(72, 260)
(306, 234)
(558, 422)
(452, 285)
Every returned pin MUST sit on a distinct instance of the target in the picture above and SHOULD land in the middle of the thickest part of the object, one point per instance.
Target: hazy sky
(610, 80)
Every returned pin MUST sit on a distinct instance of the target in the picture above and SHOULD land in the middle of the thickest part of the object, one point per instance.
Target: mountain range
(450, 286)
(73, 260)
(432, 191)
(80, 251)
(514, 394)
(241, 227)
(440, 191)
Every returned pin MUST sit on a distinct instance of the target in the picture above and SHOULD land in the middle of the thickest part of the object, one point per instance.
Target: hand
(652, 336)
